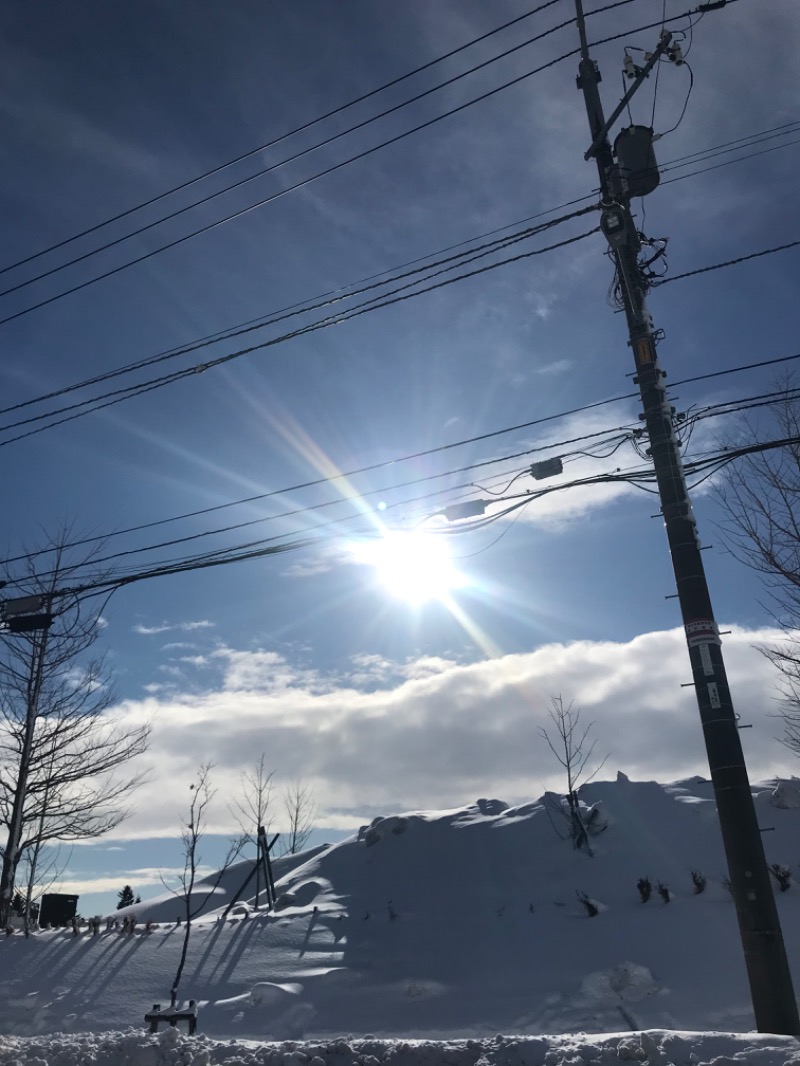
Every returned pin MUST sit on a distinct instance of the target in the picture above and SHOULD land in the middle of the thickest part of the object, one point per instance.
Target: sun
(412, 566)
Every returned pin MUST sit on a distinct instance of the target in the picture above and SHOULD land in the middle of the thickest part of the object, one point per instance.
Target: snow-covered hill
(441, 924)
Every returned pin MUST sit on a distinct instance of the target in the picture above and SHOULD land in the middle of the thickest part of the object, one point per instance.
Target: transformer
(637, 162)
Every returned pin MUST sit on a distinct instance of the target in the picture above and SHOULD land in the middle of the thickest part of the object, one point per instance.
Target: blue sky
(380, 703)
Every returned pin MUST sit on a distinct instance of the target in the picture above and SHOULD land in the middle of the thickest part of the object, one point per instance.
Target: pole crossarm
(661, 47)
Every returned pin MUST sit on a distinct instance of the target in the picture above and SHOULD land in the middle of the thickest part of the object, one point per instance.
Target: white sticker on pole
(705, 658)
(713, 695)
(702, 631)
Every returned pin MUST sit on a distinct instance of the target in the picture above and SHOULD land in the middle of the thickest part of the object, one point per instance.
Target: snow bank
(172, 1048)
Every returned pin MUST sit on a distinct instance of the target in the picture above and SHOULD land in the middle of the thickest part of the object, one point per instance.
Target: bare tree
(60, 748)
(252, 809)
(301, 811)
(761, 500)
(194, 827)
(569, 740)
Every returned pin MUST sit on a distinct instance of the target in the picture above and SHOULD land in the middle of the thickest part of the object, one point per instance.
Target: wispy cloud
(141, 878)
(171, 627)
(558, 366)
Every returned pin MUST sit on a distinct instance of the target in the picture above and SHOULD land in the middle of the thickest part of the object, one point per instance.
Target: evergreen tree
(125, 897)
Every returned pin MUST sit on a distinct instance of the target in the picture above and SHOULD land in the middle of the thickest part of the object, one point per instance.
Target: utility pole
(771, 988)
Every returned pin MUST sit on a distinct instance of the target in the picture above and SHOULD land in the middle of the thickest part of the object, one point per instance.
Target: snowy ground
(655, 1047)
(434, 931)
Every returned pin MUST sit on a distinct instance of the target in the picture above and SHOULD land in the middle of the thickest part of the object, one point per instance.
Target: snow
(433, 931)
(655, 1047)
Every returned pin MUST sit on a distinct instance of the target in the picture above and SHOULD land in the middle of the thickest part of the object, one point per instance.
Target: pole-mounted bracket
(601, 135)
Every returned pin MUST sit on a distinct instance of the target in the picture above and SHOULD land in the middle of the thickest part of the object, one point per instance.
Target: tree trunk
(11, 853)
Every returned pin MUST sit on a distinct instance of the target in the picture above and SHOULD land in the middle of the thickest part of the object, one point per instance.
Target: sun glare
(415, 567)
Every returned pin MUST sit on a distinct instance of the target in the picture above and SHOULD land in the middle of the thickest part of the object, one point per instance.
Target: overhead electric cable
(713, 153)
(614, 437)
(729, 162)
(634, 477)
(727, 263)
(275, 166)
(737, 369)
(338, 166)
(350, 474)
(278, 140)
(120, 394)
(685, 102)
(339, 296)
(322, 300)
(117, 396)
(759, 137)
(355, 497)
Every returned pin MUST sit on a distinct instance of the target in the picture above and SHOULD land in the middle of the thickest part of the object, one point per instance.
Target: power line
(738, 369)
(613, 438)
(730, 162)
(275, 166)
(341, 293)
(727, 263)
(117, 396)
(352, 159)
(94, 404)
(622, 434)
(279, 194)
(752, 139)
(303, 308)
(637, 476)
(277, 140)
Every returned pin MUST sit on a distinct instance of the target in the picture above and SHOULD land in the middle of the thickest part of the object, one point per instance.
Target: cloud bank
(379, 736)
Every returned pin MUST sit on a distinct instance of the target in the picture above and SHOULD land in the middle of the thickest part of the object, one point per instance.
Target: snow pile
(786, 794)
(657, 1048)
(436, 925)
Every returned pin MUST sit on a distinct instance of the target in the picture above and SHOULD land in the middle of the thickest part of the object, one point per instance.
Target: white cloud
(444, 733)
(558, 366)
(141, 878)
(169, 627)
(309, 568)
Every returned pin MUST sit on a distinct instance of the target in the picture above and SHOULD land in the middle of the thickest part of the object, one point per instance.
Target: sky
(377, 698)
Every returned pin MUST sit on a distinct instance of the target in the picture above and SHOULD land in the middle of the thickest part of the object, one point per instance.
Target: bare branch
(761, 501)
(253, 808)
(192, 831)
(568, 740)
(300, 810)
(60, 749)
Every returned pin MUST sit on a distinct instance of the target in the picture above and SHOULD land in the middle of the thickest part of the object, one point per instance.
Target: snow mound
(459, 923)
(786, 794)
(380, 828)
